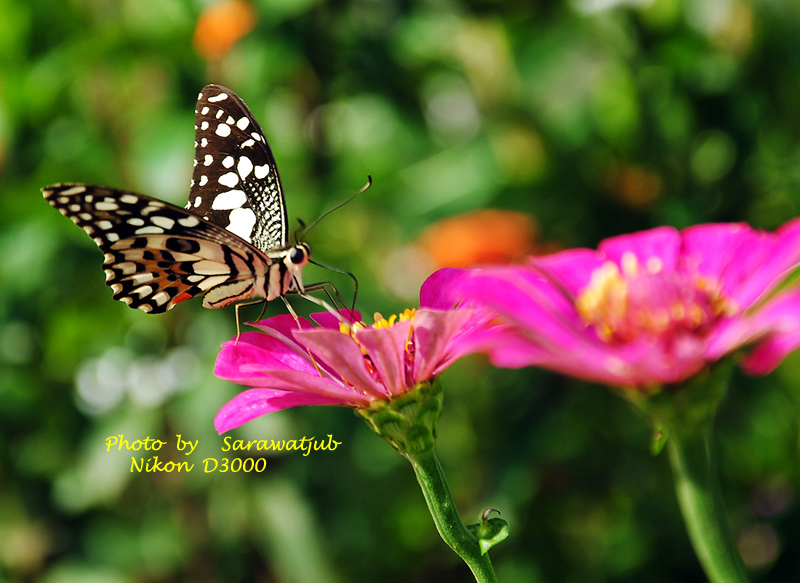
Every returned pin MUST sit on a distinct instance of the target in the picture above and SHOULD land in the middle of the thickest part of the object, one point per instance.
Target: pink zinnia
(646, 309)
(297, 363)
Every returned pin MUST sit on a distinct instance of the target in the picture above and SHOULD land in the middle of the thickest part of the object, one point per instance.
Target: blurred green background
(591, 117)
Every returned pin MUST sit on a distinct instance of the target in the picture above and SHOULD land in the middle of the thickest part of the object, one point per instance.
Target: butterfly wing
(235, 183)
(158, 254)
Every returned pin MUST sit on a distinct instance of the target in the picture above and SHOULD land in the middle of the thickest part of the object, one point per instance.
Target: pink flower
(296, 364)
(645, 309)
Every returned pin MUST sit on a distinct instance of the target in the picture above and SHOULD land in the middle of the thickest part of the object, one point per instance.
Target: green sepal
(489, 532)
(409, 421)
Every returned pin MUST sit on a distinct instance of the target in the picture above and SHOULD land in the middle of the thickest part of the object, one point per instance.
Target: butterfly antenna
(305, 230)
(348, 274)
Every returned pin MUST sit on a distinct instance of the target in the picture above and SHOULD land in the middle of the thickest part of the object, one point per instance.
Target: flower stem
(694, 469)
(440, 503)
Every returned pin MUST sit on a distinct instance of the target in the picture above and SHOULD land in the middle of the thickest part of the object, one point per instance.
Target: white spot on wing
(219, 97)
(232, 199)
(143, 291)
(189, 221)
(198, 200)
(204, 125)
(245, 167)
(150, 230)
(106, 206)
(229, 179)
(129, 199)
(242, 222)
(164, 222)
(227, 161)
(223, 130)
(161, 298)
(74, 190)
(204, 111)
(140, 278)
(243, 123)
(208, 159)
(203, 180)
(261, 171)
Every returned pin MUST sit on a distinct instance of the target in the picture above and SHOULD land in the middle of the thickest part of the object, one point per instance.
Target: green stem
(694, 469)
(452, 530)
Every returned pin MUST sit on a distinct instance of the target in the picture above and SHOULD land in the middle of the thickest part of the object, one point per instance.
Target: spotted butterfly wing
(230, 241)
(235, 183)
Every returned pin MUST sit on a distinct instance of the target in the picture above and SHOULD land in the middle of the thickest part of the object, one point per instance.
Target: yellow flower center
(646, 301)
(380, 322)
(353, 329)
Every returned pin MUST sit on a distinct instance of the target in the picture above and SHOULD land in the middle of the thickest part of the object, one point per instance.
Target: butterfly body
(229, 244)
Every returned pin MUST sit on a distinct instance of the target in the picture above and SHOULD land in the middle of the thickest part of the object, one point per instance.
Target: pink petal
(572, 269)
(254, 403)
(434, 340)
(635, 365)
(729, 253)
(529, 300)
(331, 321)
(437, 292)
(249, 365)
(283, 328)
(284, 324)
(748, 263)
(661, 242)
(781, 260)
(386, 348)
(342, 354)
(236, 360)
(780, 320)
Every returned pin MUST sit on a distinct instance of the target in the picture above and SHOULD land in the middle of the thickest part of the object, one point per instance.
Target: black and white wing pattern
(228, 244)
(157, 254)
(235, 183)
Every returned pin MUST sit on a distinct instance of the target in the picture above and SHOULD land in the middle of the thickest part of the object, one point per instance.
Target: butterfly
(230, 243)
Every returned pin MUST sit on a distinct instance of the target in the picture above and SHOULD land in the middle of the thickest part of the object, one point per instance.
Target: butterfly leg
(241, 305)
(297, 319)
(291, 311)
(330, 291)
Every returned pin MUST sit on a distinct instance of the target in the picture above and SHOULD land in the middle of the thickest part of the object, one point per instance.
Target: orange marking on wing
(181, 298)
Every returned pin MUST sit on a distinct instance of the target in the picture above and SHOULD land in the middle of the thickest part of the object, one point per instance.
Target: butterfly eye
(298, 255)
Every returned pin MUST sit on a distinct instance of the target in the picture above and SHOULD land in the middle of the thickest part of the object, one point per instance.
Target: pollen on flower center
(380, 322)
(648, 301)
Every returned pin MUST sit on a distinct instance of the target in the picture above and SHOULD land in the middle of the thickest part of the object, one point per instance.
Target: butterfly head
(297, 258)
